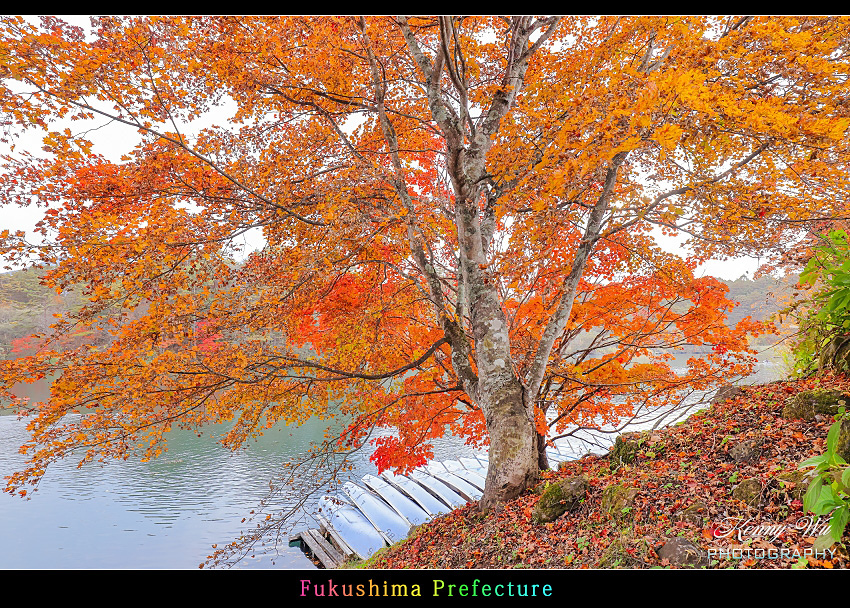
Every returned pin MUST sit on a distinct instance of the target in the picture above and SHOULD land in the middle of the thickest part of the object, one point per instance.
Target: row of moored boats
(383, 509)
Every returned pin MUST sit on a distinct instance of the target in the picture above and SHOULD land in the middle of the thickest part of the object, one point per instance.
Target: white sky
(113, 140)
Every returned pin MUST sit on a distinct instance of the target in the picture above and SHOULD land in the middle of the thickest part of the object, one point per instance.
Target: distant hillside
(760, 298)
(27, 307)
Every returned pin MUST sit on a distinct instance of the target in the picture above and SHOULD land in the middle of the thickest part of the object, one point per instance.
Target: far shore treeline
(27, 308)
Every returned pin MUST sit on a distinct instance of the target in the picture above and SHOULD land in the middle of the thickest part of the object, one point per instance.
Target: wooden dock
(315, 545)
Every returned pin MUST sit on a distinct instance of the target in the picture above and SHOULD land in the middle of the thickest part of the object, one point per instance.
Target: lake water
(162, 514)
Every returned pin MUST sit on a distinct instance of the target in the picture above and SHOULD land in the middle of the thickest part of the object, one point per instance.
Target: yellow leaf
(837, 131)
(668, 136)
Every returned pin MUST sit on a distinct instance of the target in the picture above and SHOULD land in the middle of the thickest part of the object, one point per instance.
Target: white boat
(451, 498)
(431, 505)
(473, 464)
(555, 456)
(390, 505)
(403, 505)
(354, 528)
(459, 485)
(473, 477)
(392, 526)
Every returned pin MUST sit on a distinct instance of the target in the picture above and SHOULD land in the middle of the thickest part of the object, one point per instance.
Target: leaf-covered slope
(688, 484)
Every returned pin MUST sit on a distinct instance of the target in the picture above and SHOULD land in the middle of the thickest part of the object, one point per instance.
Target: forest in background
(27, 307)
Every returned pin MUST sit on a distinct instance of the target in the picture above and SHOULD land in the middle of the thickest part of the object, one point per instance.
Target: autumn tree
(461, 217)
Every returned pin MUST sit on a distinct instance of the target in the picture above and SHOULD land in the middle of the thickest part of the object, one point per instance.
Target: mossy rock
(748, 491)
(616, 555)
(836, 355)
(796, 483)
(682, 552)
(842, 447)
(725, 393)
(807, 404)
(560, 497)
(746, 451)
(617, 498)
(694, 514)
(624, 451)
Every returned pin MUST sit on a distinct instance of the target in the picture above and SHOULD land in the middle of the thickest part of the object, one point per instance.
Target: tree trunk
(513, 445)
(542, 458)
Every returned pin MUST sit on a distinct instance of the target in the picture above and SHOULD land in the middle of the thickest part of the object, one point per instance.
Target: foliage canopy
(460, 216)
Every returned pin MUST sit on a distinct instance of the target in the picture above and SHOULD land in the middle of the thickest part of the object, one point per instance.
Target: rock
(797, 482)
(616, 498)
(682, 552)
(748, 491)
(560, 497)
(624, 451)
(694, 514)
(842, 447)
(616, 556)
(746, 451)
(726, 392)
(836, 354)
(835, 477)
(807, 404)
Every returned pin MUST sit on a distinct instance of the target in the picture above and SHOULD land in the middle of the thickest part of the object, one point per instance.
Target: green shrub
(824, 318)
(829, 491)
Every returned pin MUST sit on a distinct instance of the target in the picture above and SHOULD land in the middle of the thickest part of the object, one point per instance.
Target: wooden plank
(322, 549)
(338, 555)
